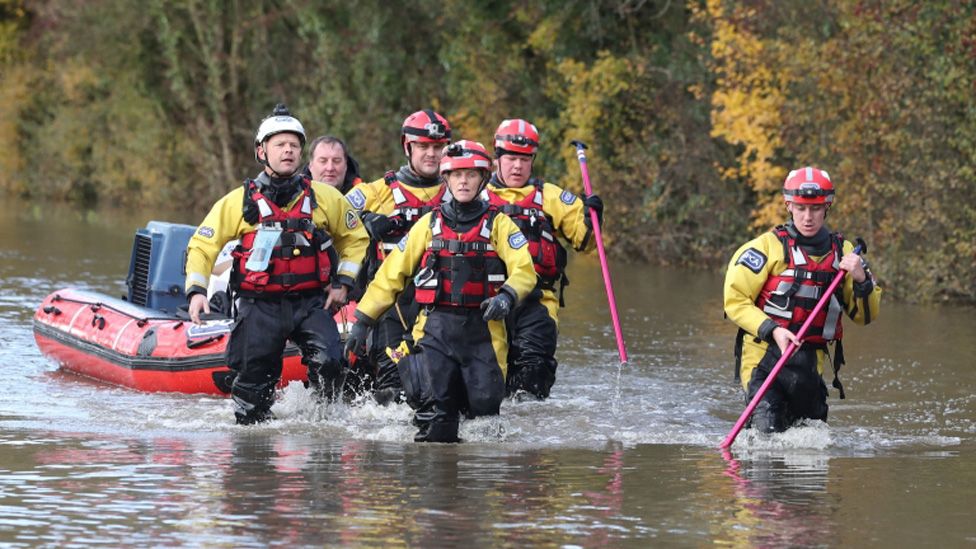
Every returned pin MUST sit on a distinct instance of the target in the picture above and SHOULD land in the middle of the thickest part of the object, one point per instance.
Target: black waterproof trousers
(532, 336)
(264, 325)
(798, 392)
(393, 327)
(453, 370)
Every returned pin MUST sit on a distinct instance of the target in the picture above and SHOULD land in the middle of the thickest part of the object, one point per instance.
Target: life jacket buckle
(775, 296)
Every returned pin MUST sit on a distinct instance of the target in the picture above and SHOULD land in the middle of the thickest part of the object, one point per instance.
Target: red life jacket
(460, 270)
(407, 209)
(548, 255)
(300, 260)
(789, 297)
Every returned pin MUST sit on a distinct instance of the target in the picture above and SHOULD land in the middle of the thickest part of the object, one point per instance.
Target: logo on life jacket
(356, 199)
(517, 240)
(753, 259)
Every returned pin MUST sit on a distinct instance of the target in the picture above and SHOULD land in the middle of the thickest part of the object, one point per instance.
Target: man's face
(328, 164)
(282, 152)
(808, 218)
(425, 158)
(464, 183)
(515, 169)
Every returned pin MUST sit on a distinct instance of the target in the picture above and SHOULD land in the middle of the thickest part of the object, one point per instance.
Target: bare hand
(852, 264)
(198, 303)
(337, 298)
(783, 338)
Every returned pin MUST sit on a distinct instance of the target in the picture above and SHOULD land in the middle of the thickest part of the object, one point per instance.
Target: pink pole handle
(730, 438)
(598, 235)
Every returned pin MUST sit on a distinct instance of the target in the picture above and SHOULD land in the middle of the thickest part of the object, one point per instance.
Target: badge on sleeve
(516, 240)
(356, 199)
(206, 232)
(402, 244)
(567, 197)
(753, 259)
(351, 219)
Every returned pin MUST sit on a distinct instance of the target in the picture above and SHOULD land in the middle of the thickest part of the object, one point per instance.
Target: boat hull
(108, 339)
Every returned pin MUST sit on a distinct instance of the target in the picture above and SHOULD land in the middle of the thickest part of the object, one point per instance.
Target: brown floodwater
(619, 456)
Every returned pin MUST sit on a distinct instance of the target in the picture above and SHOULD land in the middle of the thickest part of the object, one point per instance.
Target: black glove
(356, 340)
(592, 202)
(378, 225)
(497, 307)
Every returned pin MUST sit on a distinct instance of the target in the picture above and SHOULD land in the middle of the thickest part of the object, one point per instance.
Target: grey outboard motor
(157, 268)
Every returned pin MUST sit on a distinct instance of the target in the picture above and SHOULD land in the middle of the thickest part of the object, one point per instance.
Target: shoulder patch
(356, 199)
(206, 232)
(402, 244)
(516, 240)
(567, 197)
(753, 259)
(352, 220)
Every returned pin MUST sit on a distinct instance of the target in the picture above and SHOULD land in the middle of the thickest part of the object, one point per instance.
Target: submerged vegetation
(694, 111)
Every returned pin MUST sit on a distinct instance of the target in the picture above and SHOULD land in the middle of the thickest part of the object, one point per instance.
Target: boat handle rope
(97, 305)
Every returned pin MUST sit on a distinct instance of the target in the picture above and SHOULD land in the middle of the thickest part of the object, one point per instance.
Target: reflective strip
(436, 229)
(387, 246)
(197, 279)
(496, 278)
(782, 287)
(789, 273)
(264, 209)
(798, 258)
(300, 240)
(350, 267)
(833, 315)
(546, 235)
(812, 292)
(325, 245)
(398, 197)
(430, 282)
(836, 261)
(306, 206)
(537, 198)
(485, 230)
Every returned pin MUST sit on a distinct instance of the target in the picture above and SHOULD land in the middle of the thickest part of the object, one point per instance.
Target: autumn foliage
(694, 111)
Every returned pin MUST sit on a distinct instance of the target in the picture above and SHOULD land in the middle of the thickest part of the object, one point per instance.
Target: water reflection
(778, 500)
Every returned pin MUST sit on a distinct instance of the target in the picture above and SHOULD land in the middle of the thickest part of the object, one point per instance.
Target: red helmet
(808, 186)
(425, 126)
(465, 154)
(516, 136)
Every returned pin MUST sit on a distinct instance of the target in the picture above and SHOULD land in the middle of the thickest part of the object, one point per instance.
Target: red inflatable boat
(115, 341)
(143, 342)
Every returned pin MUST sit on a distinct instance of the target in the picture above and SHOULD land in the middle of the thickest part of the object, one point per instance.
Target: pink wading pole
(581, 154)
(730, 438)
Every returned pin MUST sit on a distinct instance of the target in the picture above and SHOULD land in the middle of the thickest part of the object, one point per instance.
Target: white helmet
(280, 121)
